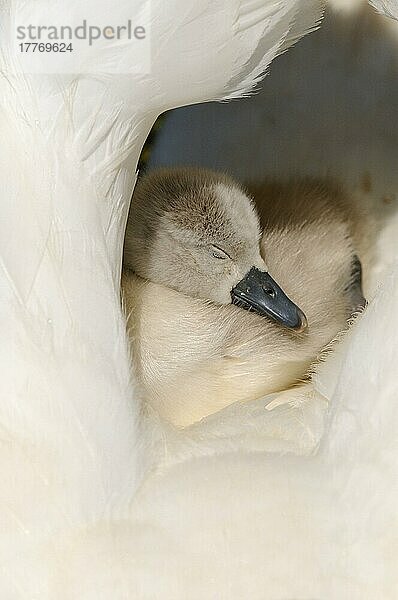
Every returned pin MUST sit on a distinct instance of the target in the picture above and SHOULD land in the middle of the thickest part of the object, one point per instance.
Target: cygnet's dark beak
(258, 292)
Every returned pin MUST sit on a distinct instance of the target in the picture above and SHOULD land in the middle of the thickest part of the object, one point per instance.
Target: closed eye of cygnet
(219, 253)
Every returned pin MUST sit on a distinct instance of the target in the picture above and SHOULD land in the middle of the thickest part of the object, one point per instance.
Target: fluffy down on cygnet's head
(231, 294)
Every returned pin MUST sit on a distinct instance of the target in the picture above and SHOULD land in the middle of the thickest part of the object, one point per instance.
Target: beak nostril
(269, 291)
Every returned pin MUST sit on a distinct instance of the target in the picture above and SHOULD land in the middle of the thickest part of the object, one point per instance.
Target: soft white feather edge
(282, 25)
(386, 7)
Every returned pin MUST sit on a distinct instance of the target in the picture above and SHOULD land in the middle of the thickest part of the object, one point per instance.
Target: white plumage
(386, 7)
(71, 452)
(70, 432)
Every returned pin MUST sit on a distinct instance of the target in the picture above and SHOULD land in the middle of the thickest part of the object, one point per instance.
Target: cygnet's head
(196, 231)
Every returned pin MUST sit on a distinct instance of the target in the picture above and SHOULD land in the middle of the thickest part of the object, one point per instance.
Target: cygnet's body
(191, 239)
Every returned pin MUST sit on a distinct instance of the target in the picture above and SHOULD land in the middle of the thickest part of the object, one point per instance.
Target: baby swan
(197, 232)
(194, 249)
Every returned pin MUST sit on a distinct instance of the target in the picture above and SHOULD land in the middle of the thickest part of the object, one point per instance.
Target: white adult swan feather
(69, 146)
